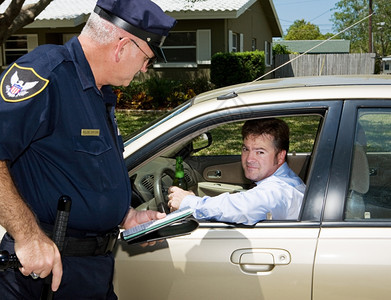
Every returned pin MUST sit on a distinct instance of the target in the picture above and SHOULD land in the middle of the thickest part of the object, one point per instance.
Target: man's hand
(176, 196)
(40, 255)
(36, 252)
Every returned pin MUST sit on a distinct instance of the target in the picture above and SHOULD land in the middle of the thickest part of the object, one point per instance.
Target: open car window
(217, 169)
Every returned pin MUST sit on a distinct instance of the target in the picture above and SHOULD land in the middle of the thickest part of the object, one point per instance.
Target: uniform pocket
(94, 160)
(95, 145)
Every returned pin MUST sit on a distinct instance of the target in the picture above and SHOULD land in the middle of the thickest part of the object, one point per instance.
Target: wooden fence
(324, 64)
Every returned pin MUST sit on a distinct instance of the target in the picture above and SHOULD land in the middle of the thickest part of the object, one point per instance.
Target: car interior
(370, 183)
(212, 162)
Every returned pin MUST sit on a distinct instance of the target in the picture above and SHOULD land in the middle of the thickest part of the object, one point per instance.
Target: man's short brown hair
(277, 128)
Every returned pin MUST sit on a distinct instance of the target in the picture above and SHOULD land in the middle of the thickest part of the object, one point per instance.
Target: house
(316, 46)
(386, 65)
(204, 27)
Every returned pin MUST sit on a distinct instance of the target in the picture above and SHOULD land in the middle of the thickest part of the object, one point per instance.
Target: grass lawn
(303, 132)
(130, 121)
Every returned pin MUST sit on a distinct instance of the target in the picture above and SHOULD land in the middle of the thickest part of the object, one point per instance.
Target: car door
(221, 262)
(353, 254)
(271, 260)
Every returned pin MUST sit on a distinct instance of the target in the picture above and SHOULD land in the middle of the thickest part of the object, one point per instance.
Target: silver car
(339, 246)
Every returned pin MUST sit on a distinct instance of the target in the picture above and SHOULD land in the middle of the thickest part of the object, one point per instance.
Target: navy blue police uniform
(59, 136)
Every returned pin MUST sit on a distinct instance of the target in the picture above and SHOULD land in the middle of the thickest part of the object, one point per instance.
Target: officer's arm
(36, 252)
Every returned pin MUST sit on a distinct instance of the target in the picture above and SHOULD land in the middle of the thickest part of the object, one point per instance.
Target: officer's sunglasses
(151, 60)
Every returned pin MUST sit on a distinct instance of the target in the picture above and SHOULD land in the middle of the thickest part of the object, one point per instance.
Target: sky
(317, 12)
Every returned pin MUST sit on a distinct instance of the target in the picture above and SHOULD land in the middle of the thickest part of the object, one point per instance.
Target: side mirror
(201, 142)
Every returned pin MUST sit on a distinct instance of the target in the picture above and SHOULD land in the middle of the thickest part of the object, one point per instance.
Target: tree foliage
(302, 30)
(17, 15)
(348, 12)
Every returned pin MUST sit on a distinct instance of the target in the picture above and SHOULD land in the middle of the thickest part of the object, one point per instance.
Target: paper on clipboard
(177, 223)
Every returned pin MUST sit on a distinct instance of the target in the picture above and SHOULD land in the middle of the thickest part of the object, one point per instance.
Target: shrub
(238, 67)
(159, 93)
(281, 49)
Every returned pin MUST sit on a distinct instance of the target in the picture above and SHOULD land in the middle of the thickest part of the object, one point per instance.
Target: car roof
(270, 91)
(345, 82)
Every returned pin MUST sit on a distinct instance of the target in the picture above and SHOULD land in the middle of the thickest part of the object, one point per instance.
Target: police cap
(142, 18)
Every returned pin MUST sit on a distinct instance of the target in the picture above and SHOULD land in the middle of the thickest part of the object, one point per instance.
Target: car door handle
(259, 261)
(214, 174)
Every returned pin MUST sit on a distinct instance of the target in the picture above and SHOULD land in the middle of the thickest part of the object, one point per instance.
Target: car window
(369, 196)
(227, 139)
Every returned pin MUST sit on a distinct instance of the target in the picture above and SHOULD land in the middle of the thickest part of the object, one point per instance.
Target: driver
(278, 193)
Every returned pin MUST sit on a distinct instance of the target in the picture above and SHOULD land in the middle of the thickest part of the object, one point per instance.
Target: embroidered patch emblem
(20, 83)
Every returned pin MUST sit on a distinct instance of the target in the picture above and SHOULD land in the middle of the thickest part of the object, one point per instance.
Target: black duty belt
(87, 245)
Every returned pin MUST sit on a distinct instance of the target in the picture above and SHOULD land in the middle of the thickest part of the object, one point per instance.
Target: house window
(235, 42)
(18, 45)
(253, 44)
(268, 53)
(181, 47)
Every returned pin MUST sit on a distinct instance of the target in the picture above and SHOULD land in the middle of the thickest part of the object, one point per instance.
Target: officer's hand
(40, 255)
(134, 218)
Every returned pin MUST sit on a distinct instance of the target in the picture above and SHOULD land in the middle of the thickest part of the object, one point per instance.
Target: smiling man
(278, 191)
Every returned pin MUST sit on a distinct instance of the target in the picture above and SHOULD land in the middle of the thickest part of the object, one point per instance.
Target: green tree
(17, 15)
(302, 30)
(349, 12)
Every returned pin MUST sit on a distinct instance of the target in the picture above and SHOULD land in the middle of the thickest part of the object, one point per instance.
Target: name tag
(90, 132)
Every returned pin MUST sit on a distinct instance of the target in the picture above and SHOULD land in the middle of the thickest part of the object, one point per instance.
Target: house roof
(331, 46)
(70, 13)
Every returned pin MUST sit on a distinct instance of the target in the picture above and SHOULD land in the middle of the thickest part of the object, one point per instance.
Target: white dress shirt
(280, 195)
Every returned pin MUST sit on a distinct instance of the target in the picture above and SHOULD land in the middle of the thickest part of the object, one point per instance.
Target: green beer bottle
(179, 179)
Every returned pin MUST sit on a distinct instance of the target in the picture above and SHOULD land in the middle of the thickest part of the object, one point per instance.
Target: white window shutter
(241, 42)
(230, 41)
(204, 48)
(32, 42)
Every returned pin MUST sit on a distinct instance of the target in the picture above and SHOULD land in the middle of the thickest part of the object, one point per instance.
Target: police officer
(58, 136)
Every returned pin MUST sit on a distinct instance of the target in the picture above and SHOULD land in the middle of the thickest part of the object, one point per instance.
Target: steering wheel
(159, 188)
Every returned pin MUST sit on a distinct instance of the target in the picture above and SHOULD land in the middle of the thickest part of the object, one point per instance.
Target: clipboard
(177, 223)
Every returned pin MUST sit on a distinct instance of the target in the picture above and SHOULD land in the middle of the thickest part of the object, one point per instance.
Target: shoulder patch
(20, 83)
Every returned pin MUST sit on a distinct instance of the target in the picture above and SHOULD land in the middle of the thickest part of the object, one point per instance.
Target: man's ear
(119, 49)
(281, 156)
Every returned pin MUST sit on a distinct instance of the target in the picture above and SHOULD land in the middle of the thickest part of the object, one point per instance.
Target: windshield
(138, 133)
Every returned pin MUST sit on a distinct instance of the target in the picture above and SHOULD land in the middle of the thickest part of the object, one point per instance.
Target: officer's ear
(120, 47)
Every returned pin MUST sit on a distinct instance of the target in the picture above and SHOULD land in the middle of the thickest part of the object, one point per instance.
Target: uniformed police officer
(58, 136)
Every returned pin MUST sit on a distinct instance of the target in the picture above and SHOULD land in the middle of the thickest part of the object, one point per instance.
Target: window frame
(31, 41)
(338, 186)
(268, 53)
(202, 50)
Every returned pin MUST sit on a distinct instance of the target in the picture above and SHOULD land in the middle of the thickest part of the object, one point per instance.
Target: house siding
(253, 23)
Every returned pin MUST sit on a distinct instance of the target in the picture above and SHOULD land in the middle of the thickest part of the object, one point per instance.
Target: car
(338, 248)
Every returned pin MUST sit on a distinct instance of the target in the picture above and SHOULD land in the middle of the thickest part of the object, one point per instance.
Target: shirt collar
(83, 68)
(281, 171)
(84, 71)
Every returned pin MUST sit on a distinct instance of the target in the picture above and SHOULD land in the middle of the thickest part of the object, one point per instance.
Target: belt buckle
(112, 238)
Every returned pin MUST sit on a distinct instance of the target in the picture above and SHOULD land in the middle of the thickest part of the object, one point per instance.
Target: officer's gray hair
(100, 30)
